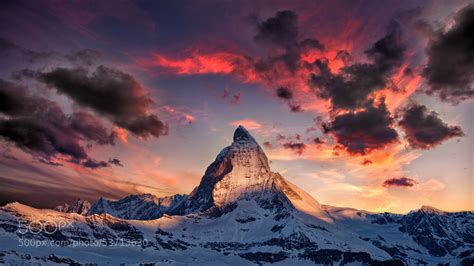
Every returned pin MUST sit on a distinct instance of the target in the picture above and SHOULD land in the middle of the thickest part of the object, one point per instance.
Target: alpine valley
(241, 213)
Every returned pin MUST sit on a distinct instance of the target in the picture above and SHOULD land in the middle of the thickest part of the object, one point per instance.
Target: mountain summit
(242, 134)
(241, 213)
(241, 172)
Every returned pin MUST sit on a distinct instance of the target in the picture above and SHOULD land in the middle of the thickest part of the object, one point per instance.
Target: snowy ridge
(241, 213)
(137, 207)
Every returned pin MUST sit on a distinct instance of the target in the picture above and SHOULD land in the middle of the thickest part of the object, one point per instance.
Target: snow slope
(241, 213)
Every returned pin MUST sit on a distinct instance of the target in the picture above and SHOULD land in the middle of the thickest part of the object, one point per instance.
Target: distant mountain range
(241, 213)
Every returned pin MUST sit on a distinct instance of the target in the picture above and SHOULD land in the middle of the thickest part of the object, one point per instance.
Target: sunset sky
(364, 104)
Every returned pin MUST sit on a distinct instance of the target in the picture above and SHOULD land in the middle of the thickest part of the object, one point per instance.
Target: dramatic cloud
(388, 52)
(202, 63)
(116, 162)
(297, 147)
(39, 127)
(14, 99)
(399, 182)
(91, 128)
(93, 164)
(352, 86)
(450, 68)
(109, 92)
(363, 131)
(424, 129)
(282, 31)
(284, 93)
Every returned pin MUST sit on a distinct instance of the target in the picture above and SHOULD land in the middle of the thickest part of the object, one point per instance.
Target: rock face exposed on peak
(240, 171)
(79, 207)
(137, 207)
(242, 134)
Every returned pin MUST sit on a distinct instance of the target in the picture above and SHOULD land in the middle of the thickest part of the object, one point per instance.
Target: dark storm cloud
(297, 147)
(399, 182)
(363, 131)
(424, 129)
(281, 30)
(93, 164)
(116, 162)
(39, 127)
(387, 53)
(284, 93)
(110, 92)
(35, 136)
(450, 68)
(13, 99)
(91, 128)
(350, 89)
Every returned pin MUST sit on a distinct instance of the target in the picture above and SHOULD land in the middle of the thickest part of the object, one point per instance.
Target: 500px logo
(48, 227)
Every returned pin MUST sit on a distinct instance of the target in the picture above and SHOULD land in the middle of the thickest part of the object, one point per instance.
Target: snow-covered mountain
(241, 213)
(137, 207)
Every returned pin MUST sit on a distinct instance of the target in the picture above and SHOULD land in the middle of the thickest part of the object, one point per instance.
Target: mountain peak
(80, 207)
(242, 134)
(241, 173)
(429, 210)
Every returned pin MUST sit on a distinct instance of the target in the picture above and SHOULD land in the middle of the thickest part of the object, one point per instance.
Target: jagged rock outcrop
(137, 207)
(79, 207)
(240, 171)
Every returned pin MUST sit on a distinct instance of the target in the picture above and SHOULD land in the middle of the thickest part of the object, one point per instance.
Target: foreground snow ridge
(241, 213)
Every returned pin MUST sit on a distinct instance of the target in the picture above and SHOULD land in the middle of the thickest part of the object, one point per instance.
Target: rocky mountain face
(440, 233)
(241, 213)
(137, 207)
(80, 207)
(240, 171)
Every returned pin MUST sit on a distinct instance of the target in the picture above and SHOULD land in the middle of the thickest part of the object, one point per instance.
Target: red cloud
(199, 63)
(248, 123)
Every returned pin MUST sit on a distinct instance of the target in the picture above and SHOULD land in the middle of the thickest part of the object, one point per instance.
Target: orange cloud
(180, 116)
(247, 123)
(199, 63)
(122, 134)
